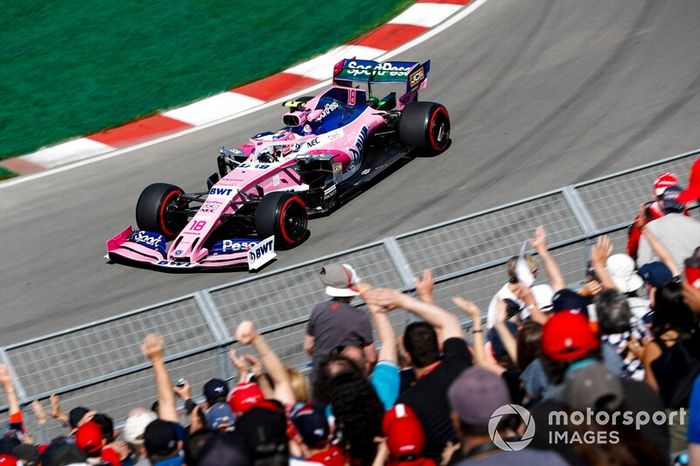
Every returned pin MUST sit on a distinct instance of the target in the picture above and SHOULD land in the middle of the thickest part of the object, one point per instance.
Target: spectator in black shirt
(435, 371)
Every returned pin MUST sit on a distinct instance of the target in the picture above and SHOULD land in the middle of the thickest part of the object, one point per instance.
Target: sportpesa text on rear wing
(370, 71)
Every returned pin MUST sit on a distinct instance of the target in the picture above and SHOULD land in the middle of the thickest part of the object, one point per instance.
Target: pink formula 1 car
(331, 146)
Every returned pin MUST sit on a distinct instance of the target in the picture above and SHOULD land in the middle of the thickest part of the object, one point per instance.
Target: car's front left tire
(160, 209)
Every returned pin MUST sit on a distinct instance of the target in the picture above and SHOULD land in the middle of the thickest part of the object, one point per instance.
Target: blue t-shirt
(694, 413)
(386, 382)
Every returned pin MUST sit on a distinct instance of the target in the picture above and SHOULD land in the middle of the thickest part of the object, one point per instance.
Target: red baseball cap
(403, 431)
(693, 192)
(89, 437)
(8, 460)
(244, 396)
(663, 181)
(567, 336)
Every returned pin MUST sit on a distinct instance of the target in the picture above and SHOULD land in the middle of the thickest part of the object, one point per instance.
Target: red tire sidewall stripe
(281, 219)
(161, 212)
(433, 141)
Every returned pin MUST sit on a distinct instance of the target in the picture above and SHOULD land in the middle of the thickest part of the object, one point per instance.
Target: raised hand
(539, 241)
(152, 346)
(246, 332)
(425, 285)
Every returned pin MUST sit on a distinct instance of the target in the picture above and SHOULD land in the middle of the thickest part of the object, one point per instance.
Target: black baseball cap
(76, 414)
(215, 389)
(160, 438)
(568, 300)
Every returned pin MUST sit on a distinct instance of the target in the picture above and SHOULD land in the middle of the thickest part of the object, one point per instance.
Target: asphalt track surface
(542, 93)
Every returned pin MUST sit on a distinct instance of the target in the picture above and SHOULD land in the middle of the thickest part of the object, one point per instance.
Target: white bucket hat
(340, 280)
(621, 270)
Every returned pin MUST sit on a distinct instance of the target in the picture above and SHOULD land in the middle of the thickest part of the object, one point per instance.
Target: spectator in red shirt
(90, 439)
(313, 435)
(693, 192)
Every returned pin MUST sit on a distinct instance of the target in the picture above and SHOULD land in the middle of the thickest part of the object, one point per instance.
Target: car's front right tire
(282, 215)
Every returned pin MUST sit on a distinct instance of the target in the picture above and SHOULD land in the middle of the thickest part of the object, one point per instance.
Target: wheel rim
(170, 221)
(439, 129)
(293, 221)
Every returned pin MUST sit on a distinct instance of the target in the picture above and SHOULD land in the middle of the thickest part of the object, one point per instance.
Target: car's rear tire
(282, 215)
(159, 209)
(425, 126)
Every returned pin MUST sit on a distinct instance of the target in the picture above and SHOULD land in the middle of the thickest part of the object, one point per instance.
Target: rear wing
(371, 72)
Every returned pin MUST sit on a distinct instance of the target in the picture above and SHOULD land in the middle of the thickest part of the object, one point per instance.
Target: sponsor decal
(149, 239)
(329, 192)
(313, 142)
(332, 136)
(327, 110)
(359, 145)
(381, 69)
(221, 191)
(209, 207)
(416, 77)
(182, 265)
(365, 171)
(255, 166)
(233, 245)
(261, 253)
(227, 182)
(178, 252)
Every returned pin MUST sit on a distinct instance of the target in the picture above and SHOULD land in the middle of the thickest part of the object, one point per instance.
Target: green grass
(75, 67)
(5, 173)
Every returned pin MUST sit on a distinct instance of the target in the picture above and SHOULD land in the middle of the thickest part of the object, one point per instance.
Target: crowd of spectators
(623, 340)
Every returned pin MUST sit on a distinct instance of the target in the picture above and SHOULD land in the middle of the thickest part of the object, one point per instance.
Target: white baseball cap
(135, 426)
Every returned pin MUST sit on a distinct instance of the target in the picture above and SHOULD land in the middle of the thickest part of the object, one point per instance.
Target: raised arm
(539, 242)
(509, 342)
(9, 389)
(472, 311)
(247, 334)
(241, 365)
(259, 375)
(382, 324)
(445, 324)
(152, 348)
(599, 256)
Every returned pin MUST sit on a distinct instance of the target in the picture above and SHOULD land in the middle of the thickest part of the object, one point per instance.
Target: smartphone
(692, 271)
